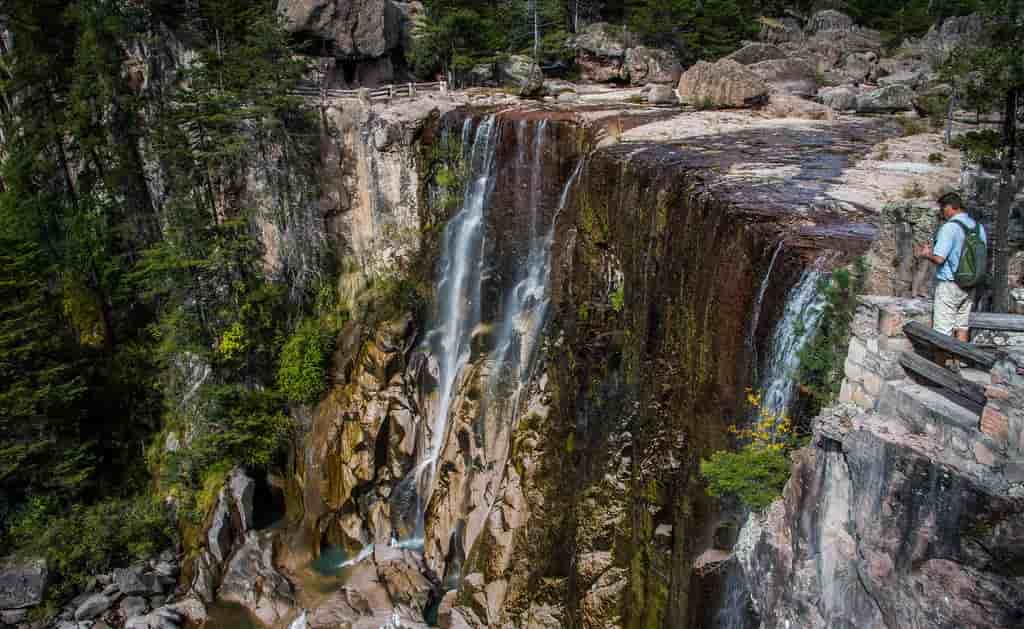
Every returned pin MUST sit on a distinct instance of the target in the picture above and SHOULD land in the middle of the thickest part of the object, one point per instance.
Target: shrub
(757, 472)
(911, 126)
(912, 190)
(979, 146)
(936, 158)
(243, 427)
(82, 541)
(302, 373)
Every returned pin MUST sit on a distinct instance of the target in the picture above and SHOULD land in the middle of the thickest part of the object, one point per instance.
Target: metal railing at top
(385, 93)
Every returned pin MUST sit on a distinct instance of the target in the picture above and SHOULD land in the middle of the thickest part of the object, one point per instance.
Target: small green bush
(243, 427)
(81, 541)
(758, 471)
(979, 146)
(912, 126)
(936, 158)
(302, 373)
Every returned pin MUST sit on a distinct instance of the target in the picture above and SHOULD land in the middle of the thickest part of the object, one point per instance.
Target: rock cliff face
(882, 525)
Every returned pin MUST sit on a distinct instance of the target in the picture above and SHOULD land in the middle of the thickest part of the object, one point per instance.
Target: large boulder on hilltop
(601, 53)
(357, 29)
(791, 75)
(886, 100)
(829, 20)
(724, 83)
(22, 582)
(523, 73)
(755, 52)
(652, 65)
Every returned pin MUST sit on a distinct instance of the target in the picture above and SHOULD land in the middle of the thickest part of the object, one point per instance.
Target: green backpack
(973, 265)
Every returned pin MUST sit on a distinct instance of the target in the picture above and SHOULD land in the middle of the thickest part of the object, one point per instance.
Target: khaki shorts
(952, 310)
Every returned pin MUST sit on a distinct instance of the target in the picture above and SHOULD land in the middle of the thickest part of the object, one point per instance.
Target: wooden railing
(385, 93)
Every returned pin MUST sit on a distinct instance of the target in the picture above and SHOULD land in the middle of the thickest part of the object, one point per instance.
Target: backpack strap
(966, 229)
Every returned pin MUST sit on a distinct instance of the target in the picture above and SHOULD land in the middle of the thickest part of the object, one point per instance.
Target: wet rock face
(881, 527)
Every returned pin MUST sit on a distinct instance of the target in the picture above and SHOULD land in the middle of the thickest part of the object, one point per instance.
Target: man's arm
(924, 251)
(943, 245)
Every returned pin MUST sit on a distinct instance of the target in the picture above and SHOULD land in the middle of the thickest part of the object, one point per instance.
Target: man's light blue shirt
(949, 244)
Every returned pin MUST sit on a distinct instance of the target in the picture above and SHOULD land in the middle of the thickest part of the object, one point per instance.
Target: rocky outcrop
(886, 99)
(883, 525)
(782, 105)
(605, 54)
(791, 75)
(358, 29)
(522, 73)
(724, 83)
(652, 65)
(829, 21)
(839, 98)
(251, 580)
(22, 583)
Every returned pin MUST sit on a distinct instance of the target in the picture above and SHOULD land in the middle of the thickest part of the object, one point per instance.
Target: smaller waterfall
(799, 322)
(756, 318)
(300, 622)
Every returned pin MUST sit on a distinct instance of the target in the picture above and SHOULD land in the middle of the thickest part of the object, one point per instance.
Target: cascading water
(800, 319)
(799, 322)
(756, 318)
(458, 303)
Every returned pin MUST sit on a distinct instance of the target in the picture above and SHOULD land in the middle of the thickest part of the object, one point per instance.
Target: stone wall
(877, 339)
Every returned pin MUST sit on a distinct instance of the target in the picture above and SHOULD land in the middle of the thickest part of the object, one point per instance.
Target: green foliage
(697, 29)
(936, 158)
(821, 360)
(81, 541)
(911, 126)
(757, 472)
(243, 427)
(302, 374)
(619, 298)
(979, 146)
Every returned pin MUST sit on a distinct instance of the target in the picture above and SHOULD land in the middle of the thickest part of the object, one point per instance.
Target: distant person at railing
(959, 244)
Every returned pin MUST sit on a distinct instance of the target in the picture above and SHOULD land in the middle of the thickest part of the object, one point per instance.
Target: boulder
(953, 32)
(755, 52)
(134, 580)
(93, 607)
(163, 618)
(725, 83)
(601, 52)
(838, 98)
(132, 606)
(252, 581)
(662, 95)
(886, 99)
(356, 29)
(829, 20)
(652, 65)
(909, 70)
(783, 105)
(858, 66)
(523, 73)
(13, 616)
(411, 16)
(22, 582)
(792, 75)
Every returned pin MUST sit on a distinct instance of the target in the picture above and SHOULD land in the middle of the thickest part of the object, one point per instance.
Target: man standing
(952, 309)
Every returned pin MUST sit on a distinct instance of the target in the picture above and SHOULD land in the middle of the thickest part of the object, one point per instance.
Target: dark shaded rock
(13, 616)
(783, 30)
(724, 83)
(352, 28)
(134, 580)
(93, 607)
(22, 582)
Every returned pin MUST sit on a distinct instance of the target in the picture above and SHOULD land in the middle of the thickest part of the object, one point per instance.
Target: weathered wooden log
(923, 336)
(995, 321)
(972, 394)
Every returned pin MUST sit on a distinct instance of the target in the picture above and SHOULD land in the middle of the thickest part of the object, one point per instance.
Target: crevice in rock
(857, 541)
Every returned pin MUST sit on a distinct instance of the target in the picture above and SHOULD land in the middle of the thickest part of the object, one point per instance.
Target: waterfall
(756, 318)
(799, 322)
(458, 312)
